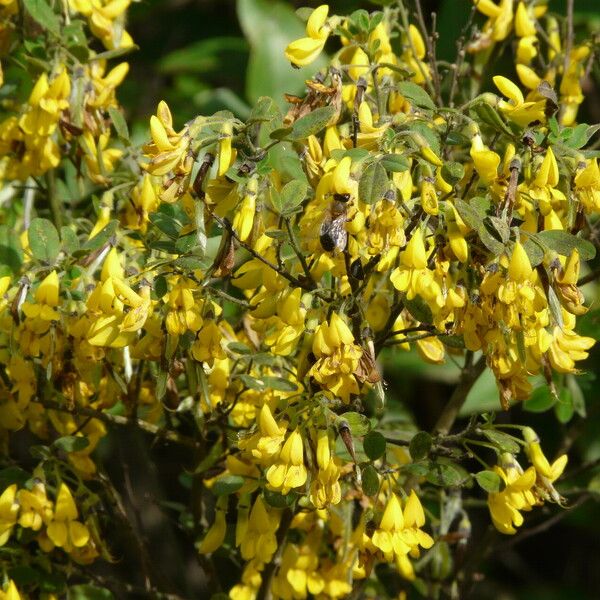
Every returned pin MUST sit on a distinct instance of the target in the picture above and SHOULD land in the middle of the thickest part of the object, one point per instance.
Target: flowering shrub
(228, 286)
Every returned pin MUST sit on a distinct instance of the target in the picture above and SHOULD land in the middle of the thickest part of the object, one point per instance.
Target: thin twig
(544, 525)
(429, 41)
(167, 434)
(468, 378)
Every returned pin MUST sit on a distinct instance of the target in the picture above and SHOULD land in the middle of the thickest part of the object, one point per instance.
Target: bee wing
(333, 234)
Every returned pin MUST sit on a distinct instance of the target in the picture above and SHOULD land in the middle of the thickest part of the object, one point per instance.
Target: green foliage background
(205, 55)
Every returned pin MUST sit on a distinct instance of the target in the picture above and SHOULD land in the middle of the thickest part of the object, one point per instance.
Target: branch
(544, 525)
(468, 378)
(167, 434)
(429, 41)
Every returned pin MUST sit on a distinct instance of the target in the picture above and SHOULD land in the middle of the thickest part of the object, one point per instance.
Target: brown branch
(429, 42)
(469, 376)
(544, 525)
(589, 277)
(109, 419)
(225, 224)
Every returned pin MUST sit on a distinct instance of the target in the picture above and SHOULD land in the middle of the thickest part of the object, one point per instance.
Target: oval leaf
(312, 123)
(370, 480)
(228, 484)
(489, 481)
(43, 240)
(420, 445)
(374, 445)
(373, 183)
(415, 94)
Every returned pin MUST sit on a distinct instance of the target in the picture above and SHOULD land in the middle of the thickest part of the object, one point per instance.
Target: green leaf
(277, 500)
(453, 172)
(43, 240)
(490, 116)
(227, 484)
(11, 252)
(534, 250)
(489, 481)
(12, 475)
(445, 473)
(161, 385)
(357, 423)
(187, 264)
(69, 238)
(581, 135)
(503, 441)
(374, 445)
(89, 592)
(373, 183)
(415, 94)
(564, 408)
(474, 217)
(420, 445)
(281, 133)
(290, 197)
(312, 123)
(576, 395)
(394, 163)
(540, 400)
(563, 243)
(279, 383)
(119, 123)
(71, 443)
(43, 15)
(419, 309)
(370, 480)
(252, 383)
(239, 348)
(101, 237)
(427, 135)
(186, 243)
(166, 223)
(498, 228)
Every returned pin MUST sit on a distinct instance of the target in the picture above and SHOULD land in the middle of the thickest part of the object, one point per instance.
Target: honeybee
(333, 234)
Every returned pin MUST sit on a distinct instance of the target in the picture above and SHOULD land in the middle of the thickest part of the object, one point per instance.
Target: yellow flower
(486, 161)
(105, 19)
(216, 534)
(46, 301)
(11, 592)
(399, 533)
(325, 487)
(517, 495)
(304, 51)
(65, 530)
(9, 510)
(259, 541)
(269, 438)
(288, 470)
(413, 277)
(184, 314)
(244, 216)
(99, 158)
(587, 185)
(337, 358)
(36, 508)
(516, 109)
(168, 150)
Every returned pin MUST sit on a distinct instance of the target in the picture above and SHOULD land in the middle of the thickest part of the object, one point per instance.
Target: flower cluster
(240, 279)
